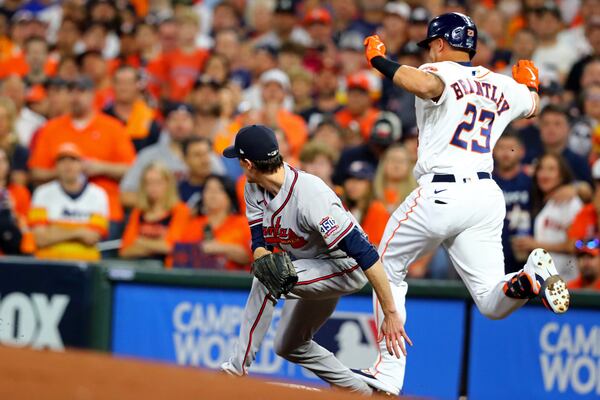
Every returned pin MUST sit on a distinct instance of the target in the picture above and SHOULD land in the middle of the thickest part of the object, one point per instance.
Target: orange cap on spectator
(358, 81)
(317, 16)
(35, 93)
(68, 149)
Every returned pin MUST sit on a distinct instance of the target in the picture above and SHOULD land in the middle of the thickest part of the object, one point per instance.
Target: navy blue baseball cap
(361, 170)
(254, 143)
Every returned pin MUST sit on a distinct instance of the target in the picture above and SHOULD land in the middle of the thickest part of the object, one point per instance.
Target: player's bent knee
(493, 314)
(287, 349)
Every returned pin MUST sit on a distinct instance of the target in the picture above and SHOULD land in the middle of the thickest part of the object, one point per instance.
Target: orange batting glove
(374, 47)
(526, 72)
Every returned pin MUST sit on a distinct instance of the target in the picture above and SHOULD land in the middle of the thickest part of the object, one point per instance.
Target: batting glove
(374, 47)
(526, 72)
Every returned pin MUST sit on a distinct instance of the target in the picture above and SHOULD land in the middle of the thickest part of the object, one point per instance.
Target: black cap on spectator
(268, 49)
(285, 7)
(419, 15)
(23, 16)
(55, 82)
(360, 170)
(550, 7)
(255, 143)
(81, 57)
(176, 106)
(82, 82)
(352, 41)
(205, 80)
(386, 130)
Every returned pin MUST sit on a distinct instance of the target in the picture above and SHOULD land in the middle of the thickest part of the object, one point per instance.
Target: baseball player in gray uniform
(298, 213)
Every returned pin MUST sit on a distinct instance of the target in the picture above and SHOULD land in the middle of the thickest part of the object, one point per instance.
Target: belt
(449, 178)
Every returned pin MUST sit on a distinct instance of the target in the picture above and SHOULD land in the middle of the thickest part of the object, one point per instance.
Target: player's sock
(520, 287)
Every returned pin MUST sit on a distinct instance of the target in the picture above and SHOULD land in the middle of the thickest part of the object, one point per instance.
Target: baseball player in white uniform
(461, 112)
(298, 213)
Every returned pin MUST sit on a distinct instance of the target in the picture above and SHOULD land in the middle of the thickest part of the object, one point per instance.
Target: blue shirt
(518, 214)
(191, 195)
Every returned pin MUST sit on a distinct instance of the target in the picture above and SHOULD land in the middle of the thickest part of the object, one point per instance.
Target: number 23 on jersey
(480, 119)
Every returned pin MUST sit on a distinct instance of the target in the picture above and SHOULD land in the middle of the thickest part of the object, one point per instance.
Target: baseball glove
(276, 272)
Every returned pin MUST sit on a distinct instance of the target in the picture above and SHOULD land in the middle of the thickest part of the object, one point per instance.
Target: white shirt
(27, 123)
(551, 226)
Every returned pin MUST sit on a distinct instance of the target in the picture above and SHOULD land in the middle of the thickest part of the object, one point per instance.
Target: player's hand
(374, 47)
(393, 331)
(526, 72)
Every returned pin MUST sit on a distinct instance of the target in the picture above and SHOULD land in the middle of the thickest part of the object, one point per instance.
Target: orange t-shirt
(171, 233)
(578, 284)
(180, 70)
(295, 130)
(585, 224)
(21, 199)
(374, 221)
(17, 65)
(103, 98)
(103, 139)
(234, 230)
(365, 122)
(240, 189)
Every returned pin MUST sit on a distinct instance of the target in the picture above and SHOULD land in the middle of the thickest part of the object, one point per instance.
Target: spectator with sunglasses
(588, 263)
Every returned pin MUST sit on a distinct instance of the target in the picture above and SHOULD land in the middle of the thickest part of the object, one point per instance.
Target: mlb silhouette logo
(351, 336)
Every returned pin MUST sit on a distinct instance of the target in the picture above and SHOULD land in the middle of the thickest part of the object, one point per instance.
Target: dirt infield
(75, 375)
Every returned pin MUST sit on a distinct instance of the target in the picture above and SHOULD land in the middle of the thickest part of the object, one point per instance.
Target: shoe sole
(555, 294)
(543, 263)
(374, 383)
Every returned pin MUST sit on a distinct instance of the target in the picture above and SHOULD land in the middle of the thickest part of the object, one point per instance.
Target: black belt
(449, 178)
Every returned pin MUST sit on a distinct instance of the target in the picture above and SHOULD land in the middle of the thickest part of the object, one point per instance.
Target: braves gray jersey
(305, 218)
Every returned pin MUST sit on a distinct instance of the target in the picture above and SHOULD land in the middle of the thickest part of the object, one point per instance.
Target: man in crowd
(588, 263)
(196, 154)
(68, 215)
(106, 149)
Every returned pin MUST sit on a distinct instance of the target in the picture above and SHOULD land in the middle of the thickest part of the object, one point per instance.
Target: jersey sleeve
(254, 212)
(325, 214)
(443, 72)
(521, 100)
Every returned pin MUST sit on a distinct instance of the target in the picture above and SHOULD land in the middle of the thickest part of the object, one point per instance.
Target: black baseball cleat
(539, 277)
(379, 387)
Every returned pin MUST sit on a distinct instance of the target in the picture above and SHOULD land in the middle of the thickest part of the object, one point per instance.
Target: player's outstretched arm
(526, 73)
(420, 83)
(392, 327)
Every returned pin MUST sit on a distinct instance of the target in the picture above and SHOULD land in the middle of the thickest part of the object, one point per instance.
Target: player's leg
(255, 324)
(300, 320)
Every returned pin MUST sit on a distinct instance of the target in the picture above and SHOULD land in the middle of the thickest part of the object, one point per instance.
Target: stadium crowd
(114, 114)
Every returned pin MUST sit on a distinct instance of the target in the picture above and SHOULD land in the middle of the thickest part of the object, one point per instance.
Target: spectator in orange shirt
(158, 220)
(588, 263)
(585, 223)
(220, 237)
(104, 143)
(358, 198)
(181, 66)
(359, 114)
(92, 64)
(275, 86)
(131, 109)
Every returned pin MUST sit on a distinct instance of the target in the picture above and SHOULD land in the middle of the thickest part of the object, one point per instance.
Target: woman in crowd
(359, 199)
(219, 238)
(158, 220)
(394, 179)
(551, 217)
(9, 143)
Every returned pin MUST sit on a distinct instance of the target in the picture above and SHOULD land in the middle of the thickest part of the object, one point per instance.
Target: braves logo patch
(328, 226)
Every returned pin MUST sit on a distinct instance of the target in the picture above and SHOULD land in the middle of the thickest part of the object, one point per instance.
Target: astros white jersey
(305, 218)
(458, 132)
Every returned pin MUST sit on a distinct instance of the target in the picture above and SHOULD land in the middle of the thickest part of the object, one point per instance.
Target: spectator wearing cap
(179, 126)
(105, 146)
(394, 179)
(359, 114)
(181, 66)
(27, 121)
(319, 159)
(326, 102)
(386, 131)
(59, 97)
(588, 264)
(131, 109)
(586, 222)
(92, 64)
(351, 55)
(69, 215)
(417, 26)
(17, 154)
(158, 219)
(285, 27)
(360, 200)
(550, 54)
(319, 26)
(510, 176)
(211, 116)
(218, 237)
(394, 30)
(592, 32)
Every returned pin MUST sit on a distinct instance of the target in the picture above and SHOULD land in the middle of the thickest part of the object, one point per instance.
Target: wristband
(386, 67)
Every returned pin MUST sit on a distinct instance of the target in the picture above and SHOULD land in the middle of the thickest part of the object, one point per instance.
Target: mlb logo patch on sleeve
(328, 226)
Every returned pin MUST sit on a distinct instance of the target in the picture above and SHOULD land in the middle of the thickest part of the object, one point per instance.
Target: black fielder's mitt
(276, 272)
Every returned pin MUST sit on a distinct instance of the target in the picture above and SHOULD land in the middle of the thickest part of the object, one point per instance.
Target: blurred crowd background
(114, 114)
